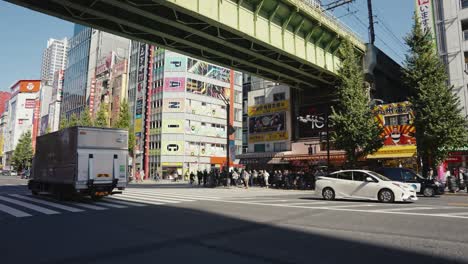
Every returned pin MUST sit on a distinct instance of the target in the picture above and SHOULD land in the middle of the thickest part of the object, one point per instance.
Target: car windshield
(379, 176)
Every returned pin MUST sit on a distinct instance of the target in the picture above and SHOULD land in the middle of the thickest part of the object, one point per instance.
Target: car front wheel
(328, 194)
(386, 196)
(428, 192)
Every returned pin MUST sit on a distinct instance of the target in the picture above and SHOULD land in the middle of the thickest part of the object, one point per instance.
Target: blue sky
(25, 34)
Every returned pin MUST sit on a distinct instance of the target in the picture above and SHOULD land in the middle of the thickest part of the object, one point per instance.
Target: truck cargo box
(85, 160)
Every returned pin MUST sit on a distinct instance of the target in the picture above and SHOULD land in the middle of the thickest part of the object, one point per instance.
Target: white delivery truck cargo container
(80, 160)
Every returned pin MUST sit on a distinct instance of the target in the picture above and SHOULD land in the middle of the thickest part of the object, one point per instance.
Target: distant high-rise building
(91, 56)
(22, 108)
(54, 58)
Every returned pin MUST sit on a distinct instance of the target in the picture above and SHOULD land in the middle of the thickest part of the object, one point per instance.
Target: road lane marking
(164, 197)
(404, 209)
(29, 206)
(88, 206)
(154, 198)
(347, 209)
(458, 204)
(140, 201)
(110, 200)
(309, 203)
(110, 205)
(174, 195)
(40, 201)
(344, 206)
(12, 211)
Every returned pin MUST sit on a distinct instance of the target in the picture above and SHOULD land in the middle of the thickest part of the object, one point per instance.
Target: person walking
(235, 176)
(245, 179)
(205, 177)
(255, 178)
(199, 176)
(142, 175)
(266, 176)
(192, 178)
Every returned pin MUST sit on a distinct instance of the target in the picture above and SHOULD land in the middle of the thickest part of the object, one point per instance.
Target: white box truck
(80, 160)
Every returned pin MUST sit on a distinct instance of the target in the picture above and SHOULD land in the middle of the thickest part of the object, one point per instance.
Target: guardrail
(315, 4)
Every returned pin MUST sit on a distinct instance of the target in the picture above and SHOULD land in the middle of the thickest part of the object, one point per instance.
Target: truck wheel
(34, 192)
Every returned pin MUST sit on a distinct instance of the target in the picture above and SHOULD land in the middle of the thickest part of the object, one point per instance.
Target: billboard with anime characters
(396, 119)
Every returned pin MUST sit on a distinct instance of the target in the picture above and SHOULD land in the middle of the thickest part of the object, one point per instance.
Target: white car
(363, 184)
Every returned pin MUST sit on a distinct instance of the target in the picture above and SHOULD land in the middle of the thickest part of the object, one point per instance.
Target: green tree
(63, 123)
(101, 116)
(124, 122)
(438, 120)
(355, 129)
(131, 140)
(85, 118)
(23, 153)
(74, 121)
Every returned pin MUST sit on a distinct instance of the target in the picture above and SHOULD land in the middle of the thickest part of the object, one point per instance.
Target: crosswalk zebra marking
(51, 204)
(140, 201)
(88, 206)
(110, 200)
(29, 206)
(110, 205)
(12, 211)
(143, 196)
(175, 196)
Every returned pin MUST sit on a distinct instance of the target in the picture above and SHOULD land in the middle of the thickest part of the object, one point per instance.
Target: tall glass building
(76, 73)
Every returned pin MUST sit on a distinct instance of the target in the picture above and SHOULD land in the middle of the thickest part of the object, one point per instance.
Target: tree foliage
(355, 129)
(63, 123)
(101, 116)
(438, 120)
(74, 121)
(123, 120)
(23, 153)
(85, 118)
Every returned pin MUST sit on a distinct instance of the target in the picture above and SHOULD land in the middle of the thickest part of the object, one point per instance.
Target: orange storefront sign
(26, 86)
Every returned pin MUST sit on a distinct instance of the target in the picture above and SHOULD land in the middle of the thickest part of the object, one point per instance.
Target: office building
(179, 112)
(54, 58)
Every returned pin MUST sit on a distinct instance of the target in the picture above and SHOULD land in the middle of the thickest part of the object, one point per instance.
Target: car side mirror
(369, 179)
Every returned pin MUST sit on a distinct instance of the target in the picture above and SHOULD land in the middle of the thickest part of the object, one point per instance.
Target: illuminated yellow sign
(269, 108)
(268, 137)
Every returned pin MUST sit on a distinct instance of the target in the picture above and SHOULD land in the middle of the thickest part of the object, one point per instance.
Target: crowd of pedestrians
(284, 179)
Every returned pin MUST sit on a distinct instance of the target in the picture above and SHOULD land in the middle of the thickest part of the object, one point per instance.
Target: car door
(345, 184)
(364, 189)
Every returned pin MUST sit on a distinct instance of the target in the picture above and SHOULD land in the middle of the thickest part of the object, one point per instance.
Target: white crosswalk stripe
(151, 197)
(29, 206)
(12, 211)
(88, 206)
(51, 204)
(110, 200)
(110, 205)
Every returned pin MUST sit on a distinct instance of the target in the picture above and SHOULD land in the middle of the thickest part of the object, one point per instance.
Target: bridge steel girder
(231, 33)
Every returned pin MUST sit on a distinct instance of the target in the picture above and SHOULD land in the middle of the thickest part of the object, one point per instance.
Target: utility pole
(371, 23)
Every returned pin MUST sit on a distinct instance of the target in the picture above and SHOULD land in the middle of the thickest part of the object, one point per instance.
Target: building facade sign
(268, 108)
(425, 15)
(396, 119)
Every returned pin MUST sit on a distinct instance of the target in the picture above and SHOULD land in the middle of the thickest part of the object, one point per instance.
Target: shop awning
(392, 152)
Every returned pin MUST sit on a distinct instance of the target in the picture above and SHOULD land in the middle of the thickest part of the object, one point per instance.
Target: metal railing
(316, 4)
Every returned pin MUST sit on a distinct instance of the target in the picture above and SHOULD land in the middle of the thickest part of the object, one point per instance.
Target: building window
(279, 97)
(281, 146)
(259, 148)
(464, 4)
(259, 100)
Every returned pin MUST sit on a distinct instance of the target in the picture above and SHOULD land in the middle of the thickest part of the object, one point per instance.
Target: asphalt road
(175, 224)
